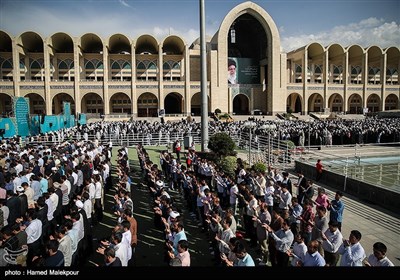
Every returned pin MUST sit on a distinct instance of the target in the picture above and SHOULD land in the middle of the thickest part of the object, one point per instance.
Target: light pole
(204, 89)
(250, 125)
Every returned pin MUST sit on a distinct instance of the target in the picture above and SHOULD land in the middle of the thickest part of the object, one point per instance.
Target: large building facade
(140, 76)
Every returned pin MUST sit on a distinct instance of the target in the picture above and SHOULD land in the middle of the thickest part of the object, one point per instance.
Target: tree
(228, 165)
(221, 144)
(260, 167)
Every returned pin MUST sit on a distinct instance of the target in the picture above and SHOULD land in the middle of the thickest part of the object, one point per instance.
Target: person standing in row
(319, 169)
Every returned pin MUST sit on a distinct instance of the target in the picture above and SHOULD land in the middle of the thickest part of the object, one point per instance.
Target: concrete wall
(383, 197)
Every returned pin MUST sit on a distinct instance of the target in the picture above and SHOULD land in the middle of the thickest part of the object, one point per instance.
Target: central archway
(241, 105)
(92, 103)
(195, 107)
(173, 103)
(147, 105)
(57, 103)
(5, 105)
(120, 103)
(36, 104)
(355, 104)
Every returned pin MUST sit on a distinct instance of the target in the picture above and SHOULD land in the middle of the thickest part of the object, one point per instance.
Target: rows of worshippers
(322, 132)
(51, 198)
(287, 223)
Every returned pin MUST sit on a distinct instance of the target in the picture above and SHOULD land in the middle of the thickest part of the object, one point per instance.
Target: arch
(91, 43)
(355, 104)
(294, 103)
(5, 42)
(121, 103)
(119, 44)
(61, 43)
(315, 103)
(92, 103)
(373, 103)
(269, 49)
(147, 105)
(6, 69)
(146, 44)
(36, 104)
(31, 41)
(335, 103)
(173, 45)
(392, 67)
(5, 105)
(173, 103)
(241, 105)
(57, 103)
(391, 102)
(356, 54)
(195, 104)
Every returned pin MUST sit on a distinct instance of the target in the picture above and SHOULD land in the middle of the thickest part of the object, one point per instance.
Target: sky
(347, 22)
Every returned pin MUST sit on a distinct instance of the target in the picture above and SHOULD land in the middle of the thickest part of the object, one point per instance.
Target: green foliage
(221, 144)
(260, 167)
(224, 116)
(217, 111)
(289, 111)
(228, 165)
(289, 143)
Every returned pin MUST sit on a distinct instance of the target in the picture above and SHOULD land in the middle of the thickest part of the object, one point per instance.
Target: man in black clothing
(55, 258)
(110, 258)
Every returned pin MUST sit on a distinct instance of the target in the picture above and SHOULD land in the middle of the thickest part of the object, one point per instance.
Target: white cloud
(367, 32)
(187, 35)
(124, 3)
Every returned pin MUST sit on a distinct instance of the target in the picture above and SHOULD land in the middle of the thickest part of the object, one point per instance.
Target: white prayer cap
(174, 214)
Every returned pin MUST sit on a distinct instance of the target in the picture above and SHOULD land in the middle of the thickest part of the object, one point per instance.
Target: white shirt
(352, 255)
(50, 209)
(75, 176)
(87, 206)
(97, 194)
(34, 231)
(373, 261)
(65, 247)
(299, 252)
(78, 225)
(333, 241)
(121, 252)
(6, 213)
(232, 194)
(127, 238)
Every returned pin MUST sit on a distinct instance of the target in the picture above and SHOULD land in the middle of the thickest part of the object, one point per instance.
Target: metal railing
(384, 173)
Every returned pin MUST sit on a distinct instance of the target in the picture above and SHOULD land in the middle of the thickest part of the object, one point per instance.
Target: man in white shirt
(351, 250)
(34, 233)
(378, 257)
(332, 240)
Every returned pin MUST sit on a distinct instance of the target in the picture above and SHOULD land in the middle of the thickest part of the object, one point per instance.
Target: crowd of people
(52, 197)
(321, 132)
(287, 223)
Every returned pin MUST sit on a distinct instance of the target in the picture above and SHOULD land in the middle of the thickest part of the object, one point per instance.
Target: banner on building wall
(243, 70)
(21, 113)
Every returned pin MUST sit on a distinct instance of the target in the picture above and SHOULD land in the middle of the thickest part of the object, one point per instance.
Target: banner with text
(21, 113)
